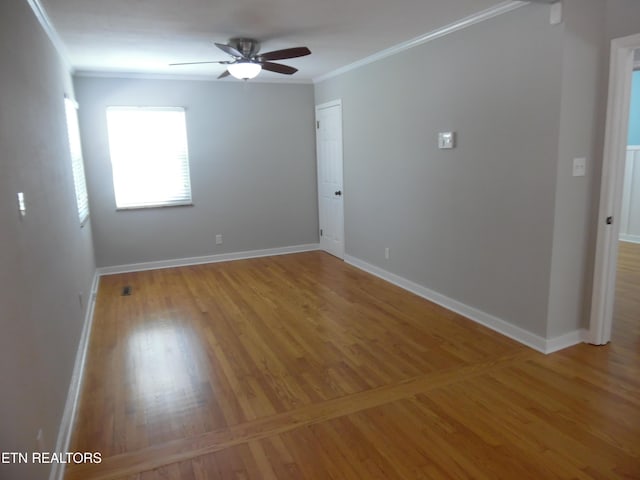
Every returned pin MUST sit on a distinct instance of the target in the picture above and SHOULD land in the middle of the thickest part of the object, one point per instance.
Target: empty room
(319, 240)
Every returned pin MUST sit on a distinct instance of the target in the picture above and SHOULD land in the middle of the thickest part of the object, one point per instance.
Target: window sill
(147, 207)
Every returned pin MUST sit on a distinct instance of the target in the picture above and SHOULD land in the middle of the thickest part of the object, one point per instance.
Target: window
(77, 164)
(149, 156)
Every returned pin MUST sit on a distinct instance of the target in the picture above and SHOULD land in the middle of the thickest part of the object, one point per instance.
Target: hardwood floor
(626, 314)
(302, 367)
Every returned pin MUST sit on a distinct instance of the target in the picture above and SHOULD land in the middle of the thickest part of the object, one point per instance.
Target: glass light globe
(244, 70)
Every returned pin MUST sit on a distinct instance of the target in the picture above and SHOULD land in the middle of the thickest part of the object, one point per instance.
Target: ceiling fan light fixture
(244, 70)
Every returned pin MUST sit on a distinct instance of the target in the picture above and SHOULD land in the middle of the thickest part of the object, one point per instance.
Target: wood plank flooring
(302, 367)
(626, 324)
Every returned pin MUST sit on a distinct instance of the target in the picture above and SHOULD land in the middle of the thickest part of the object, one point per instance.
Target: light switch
(21, 205)
(579, 167)
(446, 140)
(555, 17)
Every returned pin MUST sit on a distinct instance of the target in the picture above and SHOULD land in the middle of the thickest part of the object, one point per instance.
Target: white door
(616, 130)
(330, 188)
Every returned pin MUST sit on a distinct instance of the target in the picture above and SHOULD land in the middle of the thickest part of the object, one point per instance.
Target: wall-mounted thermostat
(446, 140)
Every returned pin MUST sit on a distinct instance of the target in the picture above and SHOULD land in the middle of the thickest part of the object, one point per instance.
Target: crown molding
(44, 20)
(499, 9)
(456, 26)
(167, 76)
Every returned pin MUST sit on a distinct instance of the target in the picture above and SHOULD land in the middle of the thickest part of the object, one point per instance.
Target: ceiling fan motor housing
(248, 47)
(247, 62)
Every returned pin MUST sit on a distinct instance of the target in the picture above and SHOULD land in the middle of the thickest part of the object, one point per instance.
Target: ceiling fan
(248, 62)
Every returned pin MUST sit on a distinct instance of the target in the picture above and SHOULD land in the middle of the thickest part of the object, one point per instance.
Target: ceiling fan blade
(285, 53)
(224, 74)
(192, 63)
(229, 49)
(278, 68)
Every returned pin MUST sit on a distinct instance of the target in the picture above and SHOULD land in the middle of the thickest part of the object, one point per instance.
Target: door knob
(338, 193)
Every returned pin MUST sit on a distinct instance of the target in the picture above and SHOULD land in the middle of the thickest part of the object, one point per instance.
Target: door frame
(322, 106)
(615, 144)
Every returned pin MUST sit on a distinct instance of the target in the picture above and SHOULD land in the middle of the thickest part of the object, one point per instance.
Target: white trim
(332, 103)
(602, 300)
(567, 340)
(73, 395)
(185, 77)
(222, 257)
(461, 24)
(625, 237)
(494, 323)
(41, 14)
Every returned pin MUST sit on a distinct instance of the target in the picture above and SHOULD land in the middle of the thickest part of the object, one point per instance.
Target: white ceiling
(144, 36)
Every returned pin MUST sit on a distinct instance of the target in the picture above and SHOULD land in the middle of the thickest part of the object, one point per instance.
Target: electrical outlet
(579, 167)
(218, 239)
(386, 253)
(81, 300)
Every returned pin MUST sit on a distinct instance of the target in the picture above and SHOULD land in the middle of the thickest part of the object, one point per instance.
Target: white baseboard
(73, 396)
(222, 257)
(567, 340)
(503, 327)
(625, 237)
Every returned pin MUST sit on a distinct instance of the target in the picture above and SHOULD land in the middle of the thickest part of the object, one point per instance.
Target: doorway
(330, 177)
(611, 192)
(626, 311)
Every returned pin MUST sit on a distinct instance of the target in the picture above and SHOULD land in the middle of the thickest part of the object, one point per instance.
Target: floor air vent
(126, 291)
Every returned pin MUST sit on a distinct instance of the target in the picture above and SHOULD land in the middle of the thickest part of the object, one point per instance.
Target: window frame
(186, 197)
(77, 160)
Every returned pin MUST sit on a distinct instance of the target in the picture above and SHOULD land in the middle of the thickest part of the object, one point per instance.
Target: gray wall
(46, 259)
(574, 235)
(499, 223)
(474, 223)
(252, 160)
(622, 19)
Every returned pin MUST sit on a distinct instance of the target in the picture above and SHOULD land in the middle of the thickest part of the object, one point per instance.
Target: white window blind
(77, 164)
(149, 156)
